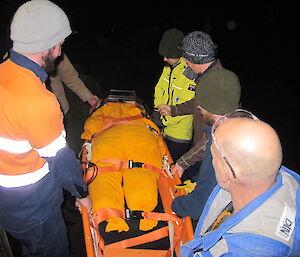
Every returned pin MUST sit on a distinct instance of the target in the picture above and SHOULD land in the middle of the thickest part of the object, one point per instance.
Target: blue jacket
(267, 226)
(24, 207)
(192, 204)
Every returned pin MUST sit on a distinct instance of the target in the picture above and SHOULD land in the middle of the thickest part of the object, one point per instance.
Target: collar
(212, 237)
(173, 66)
(207, 129)
(25, 62)
(215, 65)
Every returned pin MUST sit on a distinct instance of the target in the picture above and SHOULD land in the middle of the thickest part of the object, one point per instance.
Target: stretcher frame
(179, 230)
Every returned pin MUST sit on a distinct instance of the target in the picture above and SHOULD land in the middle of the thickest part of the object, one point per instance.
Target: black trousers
(47, 239)
(177, 149)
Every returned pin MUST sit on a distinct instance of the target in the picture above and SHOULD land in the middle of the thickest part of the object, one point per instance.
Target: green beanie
(218, 92)
(168, 45)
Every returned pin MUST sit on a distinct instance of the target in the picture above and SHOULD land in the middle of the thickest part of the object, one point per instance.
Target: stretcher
(140, 230)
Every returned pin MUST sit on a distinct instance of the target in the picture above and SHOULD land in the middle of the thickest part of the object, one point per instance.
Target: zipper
(169, 87)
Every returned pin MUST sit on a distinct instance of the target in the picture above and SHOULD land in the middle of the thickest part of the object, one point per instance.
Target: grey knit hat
(38, 25)
(219, 92)
(168, 45)
(198, 47)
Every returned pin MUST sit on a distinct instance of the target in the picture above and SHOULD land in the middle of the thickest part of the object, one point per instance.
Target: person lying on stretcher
(127, 152)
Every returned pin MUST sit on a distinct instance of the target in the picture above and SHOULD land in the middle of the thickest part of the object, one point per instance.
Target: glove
(187, 185)
(156, 118)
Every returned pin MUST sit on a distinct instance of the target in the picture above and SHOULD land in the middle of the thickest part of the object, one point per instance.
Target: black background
(117, 45)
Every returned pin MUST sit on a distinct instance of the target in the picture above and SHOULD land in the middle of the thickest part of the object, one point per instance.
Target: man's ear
(227, 173)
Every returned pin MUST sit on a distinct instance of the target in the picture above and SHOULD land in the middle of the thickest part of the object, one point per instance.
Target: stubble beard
(49, 62)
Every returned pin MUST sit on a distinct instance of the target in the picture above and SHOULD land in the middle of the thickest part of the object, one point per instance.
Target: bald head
(252, 147)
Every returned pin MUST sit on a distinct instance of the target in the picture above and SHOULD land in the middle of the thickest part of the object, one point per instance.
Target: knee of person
(183, 207)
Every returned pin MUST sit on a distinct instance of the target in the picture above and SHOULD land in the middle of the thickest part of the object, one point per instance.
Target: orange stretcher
(173, 229)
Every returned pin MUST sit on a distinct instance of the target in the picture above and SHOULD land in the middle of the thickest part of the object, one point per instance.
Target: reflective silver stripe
(14, 146)
(51, 149)
(19, 147)
(172, 85)
(10, 181)
(177, 140)
(177, 87)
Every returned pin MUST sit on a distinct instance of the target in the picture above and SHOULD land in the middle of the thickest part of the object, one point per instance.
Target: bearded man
(35, 161)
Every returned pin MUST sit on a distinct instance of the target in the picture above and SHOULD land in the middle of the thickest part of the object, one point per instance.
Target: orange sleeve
(44, 121)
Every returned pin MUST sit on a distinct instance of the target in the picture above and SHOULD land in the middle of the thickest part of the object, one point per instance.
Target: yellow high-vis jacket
(175, 88)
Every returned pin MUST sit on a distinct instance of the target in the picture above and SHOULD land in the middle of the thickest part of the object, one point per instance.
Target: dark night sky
(118, 46)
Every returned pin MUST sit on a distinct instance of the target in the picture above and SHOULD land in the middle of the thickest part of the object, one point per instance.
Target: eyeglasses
(239, 113)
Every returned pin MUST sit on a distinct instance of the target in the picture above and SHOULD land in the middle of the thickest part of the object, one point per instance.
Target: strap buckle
(152, 129)
(132, 164)
(133, 214)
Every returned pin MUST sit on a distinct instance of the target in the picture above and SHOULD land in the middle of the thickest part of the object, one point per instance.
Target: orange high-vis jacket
(31, 124)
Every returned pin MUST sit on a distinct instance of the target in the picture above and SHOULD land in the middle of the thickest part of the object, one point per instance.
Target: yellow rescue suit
(121, 140)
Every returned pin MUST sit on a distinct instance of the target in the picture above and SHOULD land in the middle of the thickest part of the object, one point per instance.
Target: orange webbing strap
(162, 217)
(114, 121)
(106, 213)
(168, 217)
(118, 119)
(146, 238)
(121, 164)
